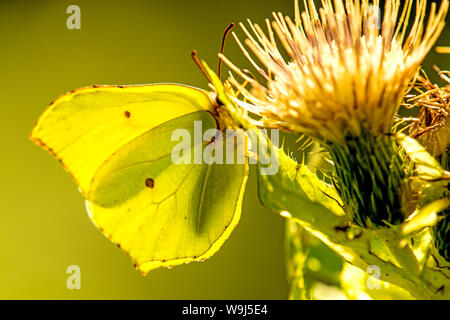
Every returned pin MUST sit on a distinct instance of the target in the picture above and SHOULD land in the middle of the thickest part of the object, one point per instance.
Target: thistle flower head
(337, 71)
(432, 127)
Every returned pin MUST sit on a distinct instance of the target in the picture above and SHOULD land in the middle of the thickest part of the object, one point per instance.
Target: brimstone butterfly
(115, 141)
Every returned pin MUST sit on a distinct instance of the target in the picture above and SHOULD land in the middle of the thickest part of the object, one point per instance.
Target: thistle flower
(339, 76)
(348, 69)
(432, 129)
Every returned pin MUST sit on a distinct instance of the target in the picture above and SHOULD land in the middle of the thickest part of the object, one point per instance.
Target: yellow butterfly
(116, 142)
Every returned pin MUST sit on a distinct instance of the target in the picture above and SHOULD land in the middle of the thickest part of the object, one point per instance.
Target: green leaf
(299, 192)
(425, 217)
(426, 165)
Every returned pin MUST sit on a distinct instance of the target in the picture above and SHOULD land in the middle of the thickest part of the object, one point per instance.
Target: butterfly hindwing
(160, 212)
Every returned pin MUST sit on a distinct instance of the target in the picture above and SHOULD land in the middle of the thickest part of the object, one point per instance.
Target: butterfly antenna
(198, 63)
(224, 39)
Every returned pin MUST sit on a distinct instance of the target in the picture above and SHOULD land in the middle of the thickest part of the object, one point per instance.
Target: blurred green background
(44, 227)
